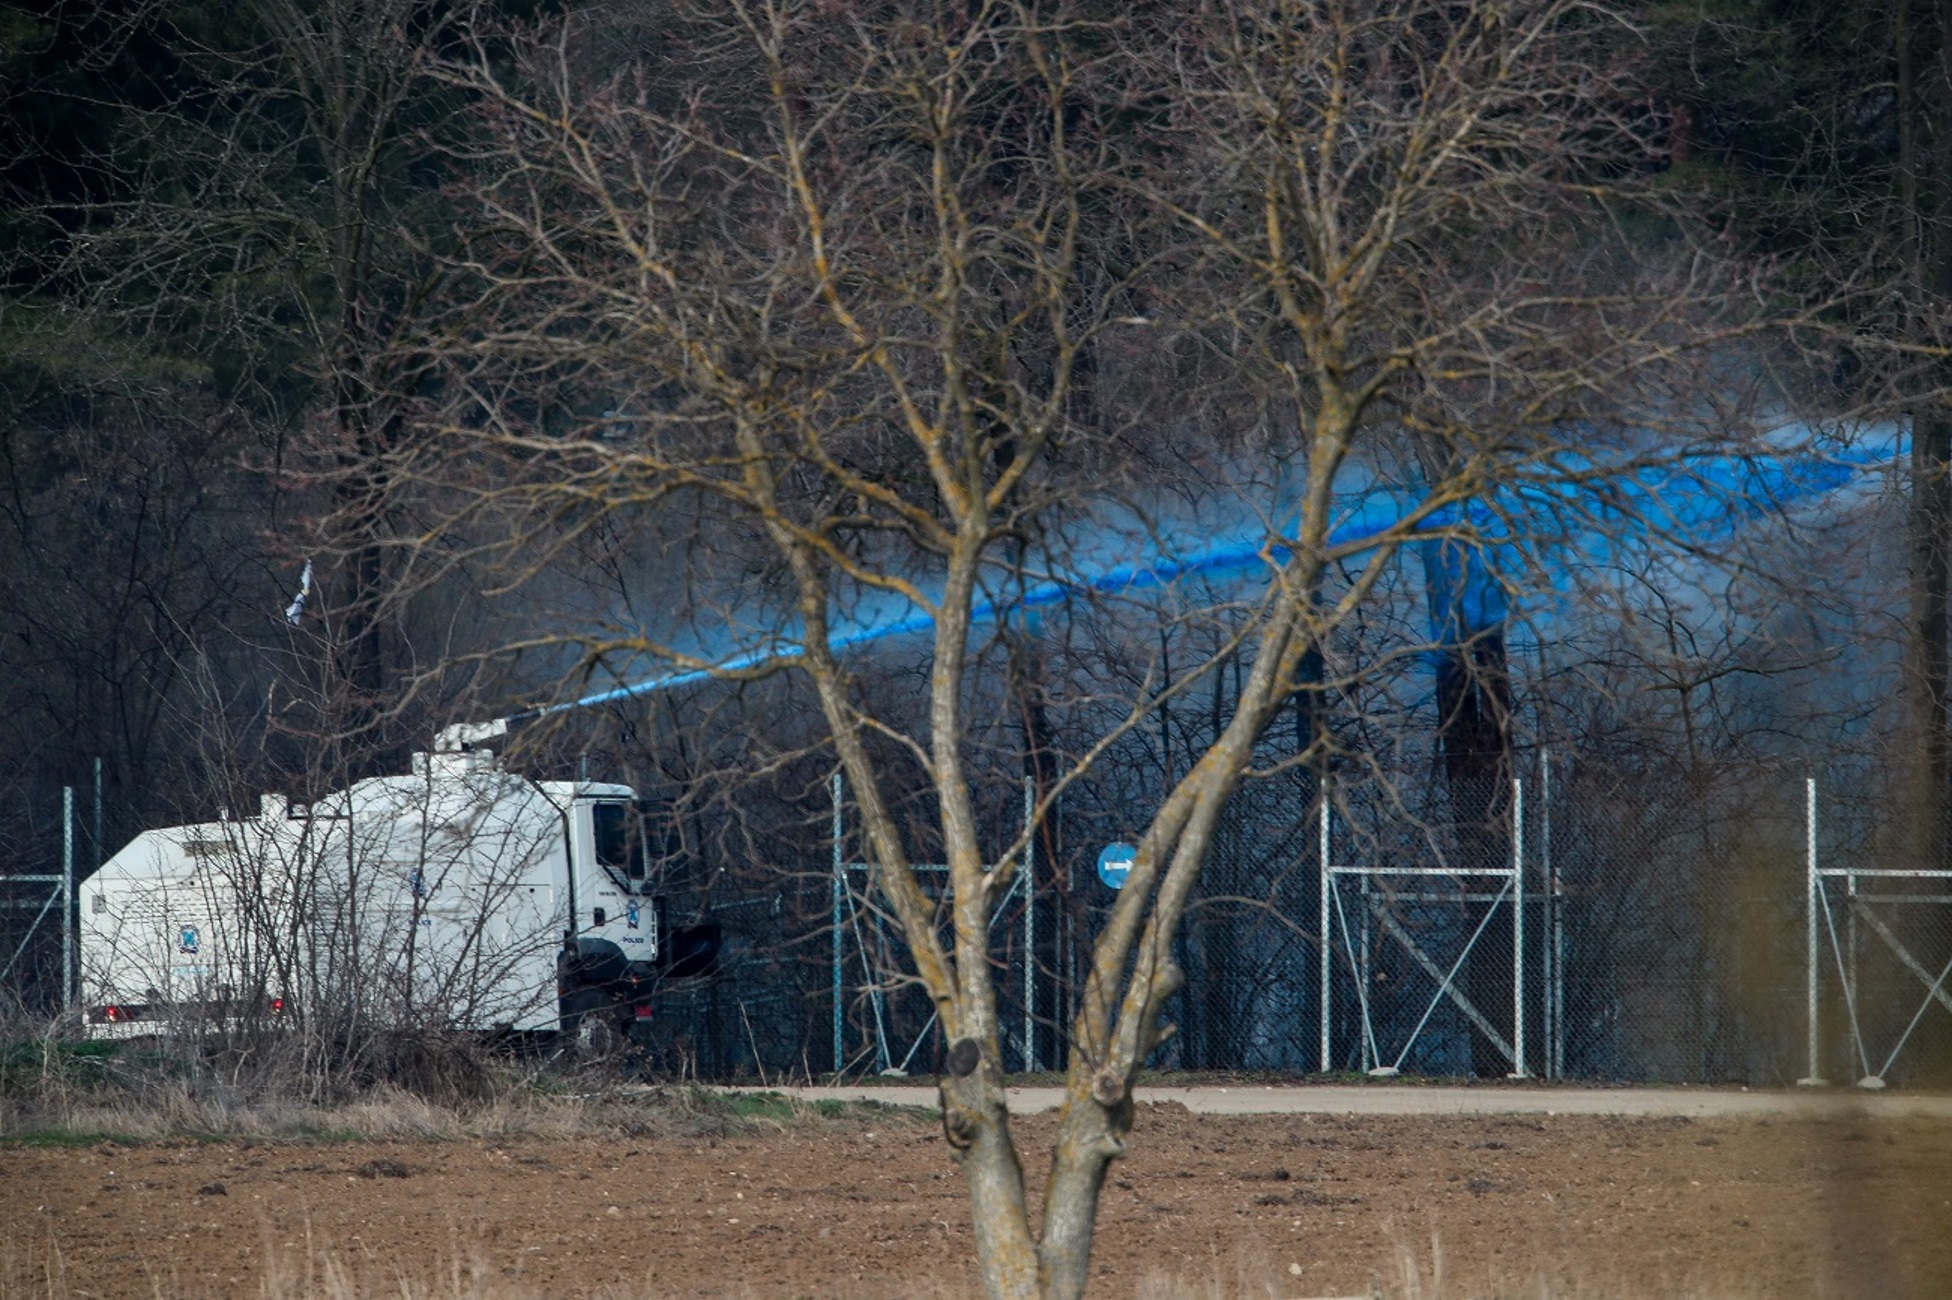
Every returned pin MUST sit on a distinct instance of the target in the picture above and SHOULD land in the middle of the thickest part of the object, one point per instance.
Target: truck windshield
(619, 840)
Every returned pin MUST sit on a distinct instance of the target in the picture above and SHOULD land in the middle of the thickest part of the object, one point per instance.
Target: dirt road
(1333, 1099)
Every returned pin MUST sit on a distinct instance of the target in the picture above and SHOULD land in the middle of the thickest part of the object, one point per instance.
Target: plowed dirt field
(1302, 1205)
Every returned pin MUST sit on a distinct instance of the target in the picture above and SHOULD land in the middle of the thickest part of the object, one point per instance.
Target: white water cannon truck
(460, 895)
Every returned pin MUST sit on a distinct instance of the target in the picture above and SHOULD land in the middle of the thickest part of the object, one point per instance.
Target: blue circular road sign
(1115, 863)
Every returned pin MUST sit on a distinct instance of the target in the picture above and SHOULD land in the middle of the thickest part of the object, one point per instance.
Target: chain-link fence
(47, 846)
(1658, 933)
(1755, 926)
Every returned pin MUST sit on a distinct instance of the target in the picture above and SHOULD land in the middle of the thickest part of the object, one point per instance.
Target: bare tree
(269, 228)
(868, 317)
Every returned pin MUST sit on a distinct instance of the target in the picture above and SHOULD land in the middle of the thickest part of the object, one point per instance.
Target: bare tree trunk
(1091, 1134)
(1931, 517)
(358, 526)
(1040, 769)
(1474, 739)
(1924, 184)
(976, 1122)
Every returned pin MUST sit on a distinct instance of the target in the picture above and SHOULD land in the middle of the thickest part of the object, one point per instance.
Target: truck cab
(622, 948)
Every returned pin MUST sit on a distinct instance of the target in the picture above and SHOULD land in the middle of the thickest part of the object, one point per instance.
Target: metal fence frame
(846, 918)
(1356, 946)
(61, 888)
(1857, 906)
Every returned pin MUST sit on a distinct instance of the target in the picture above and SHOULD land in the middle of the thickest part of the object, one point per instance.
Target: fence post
(67, 898)
(1323, 919)
(1518, 928)
(1367, 1055)
(1814, 1077)
(1555, 912)
(839, 883)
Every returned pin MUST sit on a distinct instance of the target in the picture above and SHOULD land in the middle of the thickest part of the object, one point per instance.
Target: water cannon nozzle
(462, 735)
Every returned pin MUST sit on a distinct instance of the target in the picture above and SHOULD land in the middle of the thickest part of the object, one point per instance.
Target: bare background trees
(1191, 416)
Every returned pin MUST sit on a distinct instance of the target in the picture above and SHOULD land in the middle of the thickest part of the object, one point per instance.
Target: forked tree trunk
(976, 1123)
(1106, 1053)
(1090, 1136)
(1931, 523)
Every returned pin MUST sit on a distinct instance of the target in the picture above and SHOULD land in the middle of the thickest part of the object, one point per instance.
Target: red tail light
(112, 1014)
(277, 1006)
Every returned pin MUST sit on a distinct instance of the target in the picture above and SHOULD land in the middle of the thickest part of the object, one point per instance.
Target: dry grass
(310, 1267)
(392, 1114)
(1419, 1271)
(427, 1086)
(306, 1266)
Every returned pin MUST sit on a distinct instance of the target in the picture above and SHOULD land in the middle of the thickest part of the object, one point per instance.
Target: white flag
(296, 610)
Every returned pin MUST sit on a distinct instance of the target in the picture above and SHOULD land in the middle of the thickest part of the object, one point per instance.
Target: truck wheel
(590, 1032)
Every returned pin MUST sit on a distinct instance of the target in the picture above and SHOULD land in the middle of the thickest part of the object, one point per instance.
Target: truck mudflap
(639, 981)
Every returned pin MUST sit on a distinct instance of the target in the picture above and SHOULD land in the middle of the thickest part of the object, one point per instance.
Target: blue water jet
(1704, 498)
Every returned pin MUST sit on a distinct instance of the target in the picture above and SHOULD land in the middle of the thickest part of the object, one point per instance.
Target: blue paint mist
(1703, 498)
